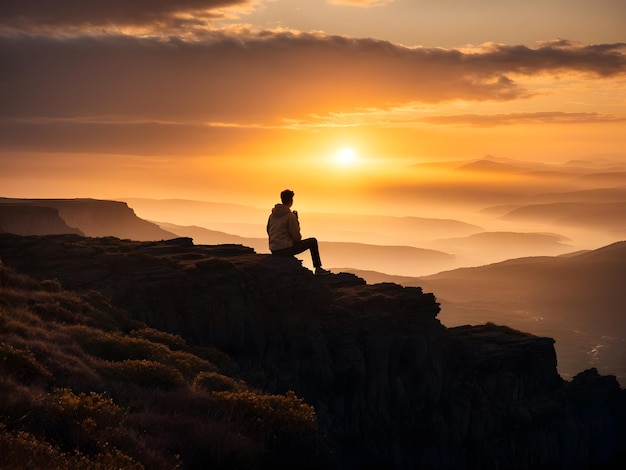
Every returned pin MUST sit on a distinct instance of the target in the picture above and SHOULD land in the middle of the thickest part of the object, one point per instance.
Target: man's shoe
(321, 271)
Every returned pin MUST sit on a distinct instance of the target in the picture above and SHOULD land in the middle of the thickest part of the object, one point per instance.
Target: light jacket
(283, 228)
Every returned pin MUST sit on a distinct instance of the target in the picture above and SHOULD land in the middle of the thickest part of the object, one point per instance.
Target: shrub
(50, 285)
(113, 346)
(9, 278)
(109, 458)
(285, 425)
(18, 400)
(214, 382)
(146, 374)
(200, 443)
(100, 313)
(53, 310)
(17, 321)
(21, 450)
(268, 415)
(22, 365)
(88, 410)
(220, 359)
(173, 342)
(188, 364)
(69, 365)
(79, 424)
(79, 421)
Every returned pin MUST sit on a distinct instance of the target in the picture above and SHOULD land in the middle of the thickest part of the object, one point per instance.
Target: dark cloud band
(555, 117)
(30, 14)
(261, 78)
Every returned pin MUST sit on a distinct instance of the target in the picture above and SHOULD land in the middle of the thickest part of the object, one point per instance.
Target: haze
(361, 107)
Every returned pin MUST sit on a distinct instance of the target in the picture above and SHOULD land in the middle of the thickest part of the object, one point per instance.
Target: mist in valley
(447, 229)
(461, 213)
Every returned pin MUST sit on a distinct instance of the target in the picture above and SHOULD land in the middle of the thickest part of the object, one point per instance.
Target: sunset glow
(346, 156)
(420, 138)
(312, 234)
(359, 106)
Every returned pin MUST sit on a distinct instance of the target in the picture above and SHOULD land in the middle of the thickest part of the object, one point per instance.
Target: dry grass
(83, 386)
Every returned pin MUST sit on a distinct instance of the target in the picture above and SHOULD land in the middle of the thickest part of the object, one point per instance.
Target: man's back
(283, 228)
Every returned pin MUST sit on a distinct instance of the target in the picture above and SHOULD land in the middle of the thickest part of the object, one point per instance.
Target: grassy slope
(83, 386)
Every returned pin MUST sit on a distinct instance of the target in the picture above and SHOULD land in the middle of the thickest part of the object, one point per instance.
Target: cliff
(92, 217)
(392, 387)
(33, 220)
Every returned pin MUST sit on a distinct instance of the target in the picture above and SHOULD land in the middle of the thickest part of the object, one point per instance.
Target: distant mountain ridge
(587, 282)
(92, 217)
(578, 299)
(554, 224)
(205, 236)
(581, 311)
(100, 218)
(397, 259)
(610, 216)
(488, 247)
(249, 222)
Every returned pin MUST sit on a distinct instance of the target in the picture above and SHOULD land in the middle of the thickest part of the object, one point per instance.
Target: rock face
(91, 217)
(21, 219)
(391, 386)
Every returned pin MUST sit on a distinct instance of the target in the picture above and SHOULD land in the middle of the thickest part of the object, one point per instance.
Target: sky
(235, 100)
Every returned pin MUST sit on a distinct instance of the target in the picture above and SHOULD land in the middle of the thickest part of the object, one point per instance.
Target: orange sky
(233, 100)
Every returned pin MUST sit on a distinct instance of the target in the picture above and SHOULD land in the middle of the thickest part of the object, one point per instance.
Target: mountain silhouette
(488, 247)
(490, 166)
(609, 216)
(32, 220)
(92, 217)
(576, 299)
(398, 259)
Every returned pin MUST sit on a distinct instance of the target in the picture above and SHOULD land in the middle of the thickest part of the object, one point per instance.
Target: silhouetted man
(283, 229)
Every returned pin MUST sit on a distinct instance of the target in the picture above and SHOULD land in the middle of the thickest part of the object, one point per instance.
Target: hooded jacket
(283, 228)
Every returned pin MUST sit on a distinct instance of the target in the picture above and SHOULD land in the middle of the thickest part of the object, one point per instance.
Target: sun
(346, 156)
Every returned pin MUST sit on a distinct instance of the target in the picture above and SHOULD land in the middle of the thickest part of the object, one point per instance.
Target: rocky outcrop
(391, 386)
(33, 220)
(92, 217)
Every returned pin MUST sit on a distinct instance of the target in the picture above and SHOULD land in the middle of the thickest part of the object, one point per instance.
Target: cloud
(119, 137)
(263, 77)
(149, 95)
(478, 120)
(48, 15)
(560, 55)
(360, 3)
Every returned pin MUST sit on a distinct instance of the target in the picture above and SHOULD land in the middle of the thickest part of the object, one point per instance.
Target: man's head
(286, 197)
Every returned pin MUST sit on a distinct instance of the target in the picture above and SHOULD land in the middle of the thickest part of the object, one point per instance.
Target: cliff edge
(391, 386)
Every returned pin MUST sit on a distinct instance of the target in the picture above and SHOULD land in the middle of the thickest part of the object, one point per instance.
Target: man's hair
(286, 196)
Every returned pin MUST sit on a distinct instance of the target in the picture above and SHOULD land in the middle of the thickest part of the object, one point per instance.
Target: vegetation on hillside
(84, 386)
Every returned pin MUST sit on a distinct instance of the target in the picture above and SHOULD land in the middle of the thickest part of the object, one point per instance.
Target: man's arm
(293, 225)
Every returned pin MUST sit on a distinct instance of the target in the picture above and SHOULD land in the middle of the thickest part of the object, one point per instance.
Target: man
(283, 229)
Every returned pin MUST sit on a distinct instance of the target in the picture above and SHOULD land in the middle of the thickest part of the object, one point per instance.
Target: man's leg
(311, 244)
(301, 246)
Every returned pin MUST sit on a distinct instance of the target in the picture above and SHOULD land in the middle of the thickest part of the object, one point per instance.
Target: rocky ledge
(391, 386)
